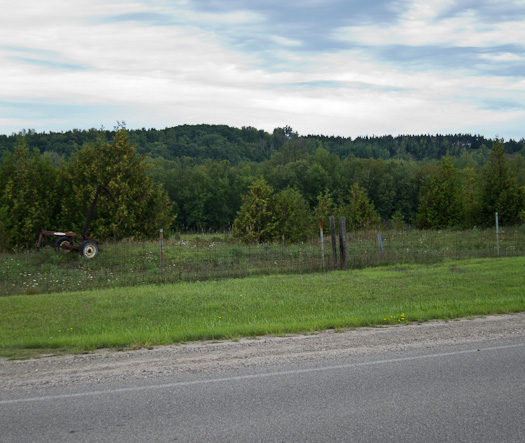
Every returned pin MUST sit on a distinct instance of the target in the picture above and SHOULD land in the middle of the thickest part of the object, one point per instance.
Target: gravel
(106, 364)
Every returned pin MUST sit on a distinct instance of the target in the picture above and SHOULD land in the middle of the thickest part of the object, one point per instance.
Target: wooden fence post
(342, 242)
(161, 232)
(322, 243)
(332, 232)
(497, 232)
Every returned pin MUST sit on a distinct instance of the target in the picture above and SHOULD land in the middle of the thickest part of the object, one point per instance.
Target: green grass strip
(173, 313)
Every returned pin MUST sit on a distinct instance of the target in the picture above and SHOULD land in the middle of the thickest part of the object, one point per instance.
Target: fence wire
(190, 258)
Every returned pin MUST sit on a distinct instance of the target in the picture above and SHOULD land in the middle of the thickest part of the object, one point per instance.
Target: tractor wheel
(89, 249)
(61, 242)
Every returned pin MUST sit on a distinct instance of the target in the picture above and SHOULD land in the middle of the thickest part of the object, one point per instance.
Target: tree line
(36, 194)
(248, 144)
(265, 187)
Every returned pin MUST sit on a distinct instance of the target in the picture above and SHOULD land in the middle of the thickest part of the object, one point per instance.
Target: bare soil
(106, 364)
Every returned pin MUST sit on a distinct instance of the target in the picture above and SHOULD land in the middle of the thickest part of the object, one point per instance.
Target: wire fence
(190, 258)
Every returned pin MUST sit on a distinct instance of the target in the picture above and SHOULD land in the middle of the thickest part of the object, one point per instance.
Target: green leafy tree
(292, 216)
(256, 221)
(266, 217)
(324, 210)
(521, 204)
(469, 183)
(28, 196)
(197, 196)
(135, 207)
(441, 203)
(359, 210)
(404, 179)
(499, 190)
(228, 185)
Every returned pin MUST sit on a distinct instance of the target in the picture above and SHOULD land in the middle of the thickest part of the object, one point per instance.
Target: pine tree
(499, 190)
(441, 203)
(292, 216)
(133, 207)
(28, 196)
(359, 211)
(255, 221)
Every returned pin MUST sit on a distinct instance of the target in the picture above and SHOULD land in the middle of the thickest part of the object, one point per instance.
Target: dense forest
(211, 177)
(220, 142)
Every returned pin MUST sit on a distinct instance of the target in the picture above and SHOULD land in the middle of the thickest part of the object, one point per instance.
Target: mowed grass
(141, 316)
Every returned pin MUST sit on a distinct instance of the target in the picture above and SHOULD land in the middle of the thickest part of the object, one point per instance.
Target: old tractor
(71, 241)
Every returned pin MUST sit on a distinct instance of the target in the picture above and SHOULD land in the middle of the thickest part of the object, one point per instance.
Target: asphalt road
(471, 392)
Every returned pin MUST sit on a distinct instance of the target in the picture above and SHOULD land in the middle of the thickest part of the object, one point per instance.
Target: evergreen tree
(324, 210)
(440, 203)
(499, 190)
(28, 197)
(256, 222)
(134, 206)
(292, 216)
(469, 183)
(359, 211)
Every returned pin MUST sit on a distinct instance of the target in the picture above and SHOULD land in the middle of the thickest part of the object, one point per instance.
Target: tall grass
(190, 258)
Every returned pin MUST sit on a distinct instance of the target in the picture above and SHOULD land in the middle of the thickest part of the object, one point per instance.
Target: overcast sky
(333, 67)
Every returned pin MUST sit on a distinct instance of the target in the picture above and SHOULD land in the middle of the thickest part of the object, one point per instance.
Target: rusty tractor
(71, 241)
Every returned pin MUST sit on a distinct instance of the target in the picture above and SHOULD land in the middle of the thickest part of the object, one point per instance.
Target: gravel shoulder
(106, 365)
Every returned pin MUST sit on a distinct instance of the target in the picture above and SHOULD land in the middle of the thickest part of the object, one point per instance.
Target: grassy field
(189, 258)
(147, 315)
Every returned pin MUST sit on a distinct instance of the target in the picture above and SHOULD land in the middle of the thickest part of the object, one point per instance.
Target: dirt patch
(105, 365)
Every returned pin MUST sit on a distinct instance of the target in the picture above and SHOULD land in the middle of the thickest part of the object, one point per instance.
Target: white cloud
(423, 24)
(161, 64)
(286, 41)
(503, 57)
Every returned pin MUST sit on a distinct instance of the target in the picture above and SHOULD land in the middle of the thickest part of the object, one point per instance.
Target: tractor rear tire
(89, 249)
(63, 241)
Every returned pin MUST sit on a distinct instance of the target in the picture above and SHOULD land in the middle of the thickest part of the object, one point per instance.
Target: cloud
(337, 66)
(425, 23)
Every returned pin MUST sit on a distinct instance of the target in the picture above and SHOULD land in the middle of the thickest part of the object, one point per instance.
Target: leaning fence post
(342, 242)
(332, 233)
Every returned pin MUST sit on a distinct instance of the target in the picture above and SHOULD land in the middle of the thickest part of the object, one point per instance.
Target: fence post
(497, 233)
(342, 242)
(332, 232)
(161, 254)
(322, 243)
(380, 241)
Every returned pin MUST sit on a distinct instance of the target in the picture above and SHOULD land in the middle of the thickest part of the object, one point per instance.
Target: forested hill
(221, 142)
(201, 177)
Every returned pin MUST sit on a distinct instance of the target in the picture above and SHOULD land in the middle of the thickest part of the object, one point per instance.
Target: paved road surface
(473, 391)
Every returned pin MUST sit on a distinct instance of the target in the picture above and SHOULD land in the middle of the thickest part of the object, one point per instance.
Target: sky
(333, 67)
